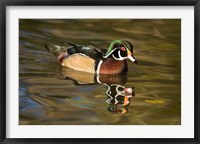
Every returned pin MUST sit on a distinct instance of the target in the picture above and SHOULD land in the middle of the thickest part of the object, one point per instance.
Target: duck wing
(90, 51)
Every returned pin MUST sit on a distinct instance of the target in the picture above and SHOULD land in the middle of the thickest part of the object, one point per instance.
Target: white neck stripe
(121, 58)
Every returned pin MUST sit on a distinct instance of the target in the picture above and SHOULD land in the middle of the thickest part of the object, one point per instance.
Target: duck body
(90, 59)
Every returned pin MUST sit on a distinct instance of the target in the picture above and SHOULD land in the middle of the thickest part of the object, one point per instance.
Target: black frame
(4, 3)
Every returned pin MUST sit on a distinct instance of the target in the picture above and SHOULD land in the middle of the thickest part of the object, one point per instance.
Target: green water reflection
(51, 94)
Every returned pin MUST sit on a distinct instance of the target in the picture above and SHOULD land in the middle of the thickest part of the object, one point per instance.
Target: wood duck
(94, 60)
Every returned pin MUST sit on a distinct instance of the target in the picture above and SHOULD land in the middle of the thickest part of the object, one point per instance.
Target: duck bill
(130, 56)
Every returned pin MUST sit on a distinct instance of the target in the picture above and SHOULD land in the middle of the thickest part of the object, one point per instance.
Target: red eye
(123, 48)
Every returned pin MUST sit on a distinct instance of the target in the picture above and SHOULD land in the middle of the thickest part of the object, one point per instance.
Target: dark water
(50, 94)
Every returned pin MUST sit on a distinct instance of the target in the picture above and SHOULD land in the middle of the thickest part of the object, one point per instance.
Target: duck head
(121, 50)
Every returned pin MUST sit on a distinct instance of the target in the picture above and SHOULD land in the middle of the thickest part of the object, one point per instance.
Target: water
(50, 94)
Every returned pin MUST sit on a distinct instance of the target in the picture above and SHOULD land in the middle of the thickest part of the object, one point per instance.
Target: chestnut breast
(112, 66)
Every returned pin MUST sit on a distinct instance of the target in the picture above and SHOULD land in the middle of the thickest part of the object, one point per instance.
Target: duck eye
(123, 48)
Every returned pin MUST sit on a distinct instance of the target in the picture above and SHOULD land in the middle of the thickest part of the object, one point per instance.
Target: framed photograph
(99, 71)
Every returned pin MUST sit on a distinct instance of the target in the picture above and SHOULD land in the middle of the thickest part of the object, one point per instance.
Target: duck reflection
(118, 96)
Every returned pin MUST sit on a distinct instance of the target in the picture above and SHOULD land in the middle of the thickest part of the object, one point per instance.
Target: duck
(95, 60)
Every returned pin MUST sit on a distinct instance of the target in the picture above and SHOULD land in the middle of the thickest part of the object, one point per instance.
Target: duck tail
(55, 49)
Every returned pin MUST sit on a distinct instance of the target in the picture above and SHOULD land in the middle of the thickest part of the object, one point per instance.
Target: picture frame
(3, 76)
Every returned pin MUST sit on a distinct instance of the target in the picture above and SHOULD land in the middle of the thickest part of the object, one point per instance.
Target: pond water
(50, 94)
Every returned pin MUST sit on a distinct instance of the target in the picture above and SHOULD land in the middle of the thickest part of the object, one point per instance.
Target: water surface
(50, 94)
